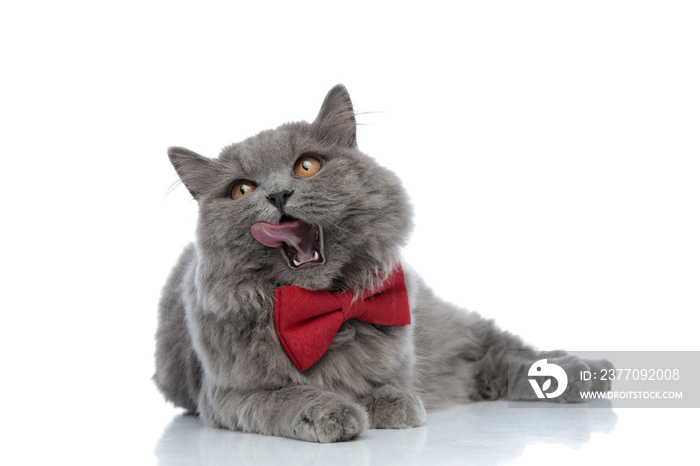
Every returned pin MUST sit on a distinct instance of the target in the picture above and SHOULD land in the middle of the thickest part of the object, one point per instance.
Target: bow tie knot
(307, 320)
(352, 306)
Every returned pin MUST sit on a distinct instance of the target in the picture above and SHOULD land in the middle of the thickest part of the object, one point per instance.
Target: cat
(300, 210)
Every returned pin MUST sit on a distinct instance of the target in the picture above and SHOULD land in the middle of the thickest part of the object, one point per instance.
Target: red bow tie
(307, 320)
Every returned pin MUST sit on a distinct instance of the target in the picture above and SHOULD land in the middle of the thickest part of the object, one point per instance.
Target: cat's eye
(242, 187)
(307, 166)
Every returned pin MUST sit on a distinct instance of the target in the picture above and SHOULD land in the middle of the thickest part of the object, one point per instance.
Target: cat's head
(298, 205)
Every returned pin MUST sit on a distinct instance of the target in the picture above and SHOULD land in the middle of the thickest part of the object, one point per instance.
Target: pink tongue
(297, 235)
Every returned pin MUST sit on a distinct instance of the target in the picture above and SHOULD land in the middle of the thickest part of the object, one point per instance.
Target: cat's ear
(196, 171)
(335, 122)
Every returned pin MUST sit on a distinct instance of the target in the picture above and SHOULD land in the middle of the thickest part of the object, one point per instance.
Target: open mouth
(301, 243)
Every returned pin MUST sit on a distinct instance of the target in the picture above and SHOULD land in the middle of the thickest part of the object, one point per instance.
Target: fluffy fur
(217, 353)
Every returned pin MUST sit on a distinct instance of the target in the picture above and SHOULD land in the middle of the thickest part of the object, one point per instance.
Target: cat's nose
(279, 199)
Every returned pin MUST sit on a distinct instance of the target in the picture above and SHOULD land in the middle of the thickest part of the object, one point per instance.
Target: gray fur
(217, 351)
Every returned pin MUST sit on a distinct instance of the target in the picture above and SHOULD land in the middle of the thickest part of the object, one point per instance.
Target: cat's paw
(391, 408)
(525, 385)
(333, 419)
(574, 367)
(600, 366)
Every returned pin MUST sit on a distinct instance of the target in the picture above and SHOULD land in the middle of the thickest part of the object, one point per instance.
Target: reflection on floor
(484, 433)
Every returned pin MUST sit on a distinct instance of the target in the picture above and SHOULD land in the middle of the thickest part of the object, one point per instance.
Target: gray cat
(300, 210)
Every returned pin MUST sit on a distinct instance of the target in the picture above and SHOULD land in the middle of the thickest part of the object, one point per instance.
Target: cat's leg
(390, 407)
(298, 412)
(471, 363)
(463, 357)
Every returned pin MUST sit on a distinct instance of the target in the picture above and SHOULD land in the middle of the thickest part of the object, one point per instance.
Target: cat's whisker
(173, 187)
(333, 224)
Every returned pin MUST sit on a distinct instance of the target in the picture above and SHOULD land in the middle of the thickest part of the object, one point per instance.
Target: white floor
(482, 433)
(83, 426)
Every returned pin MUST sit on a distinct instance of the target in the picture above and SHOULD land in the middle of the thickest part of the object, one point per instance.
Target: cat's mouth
(301, 243)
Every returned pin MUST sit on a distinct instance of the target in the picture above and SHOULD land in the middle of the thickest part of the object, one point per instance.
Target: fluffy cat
(301, 206)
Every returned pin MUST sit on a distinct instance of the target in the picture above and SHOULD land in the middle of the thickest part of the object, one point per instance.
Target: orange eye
(307, 166)
(241, 188)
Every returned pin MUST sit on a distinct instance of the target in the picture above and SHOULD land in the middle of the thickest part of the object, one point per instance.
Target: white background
(551, 150)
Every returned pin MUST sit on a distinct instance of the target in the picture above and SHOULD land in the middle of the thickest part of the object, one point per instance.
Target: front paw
(574, 367)
(391, 408)
(332, 419)
(554, 376)
(600, 366)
